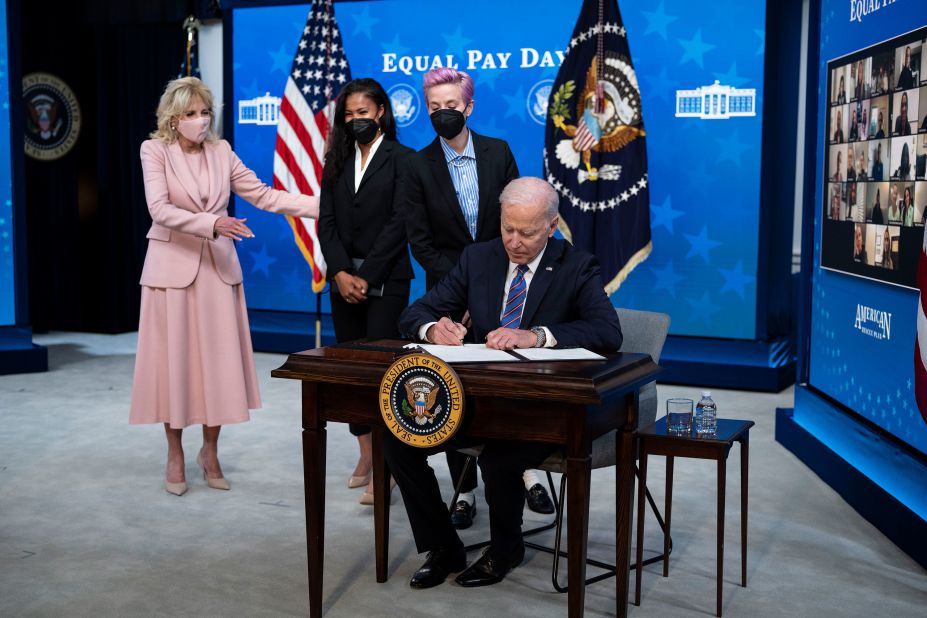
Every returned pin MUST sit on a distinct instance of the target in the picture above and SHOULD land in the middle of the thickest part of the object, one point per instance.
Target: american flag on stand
(920, 340)
(320, 68)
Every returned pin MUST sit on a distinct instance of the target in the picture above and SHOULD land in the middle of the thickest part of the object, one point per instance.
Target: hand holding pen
(446, 332)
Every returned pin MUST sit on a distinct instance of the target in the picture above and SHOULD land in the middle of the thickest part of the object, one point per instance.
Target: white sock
(466, 497)
(531, 479)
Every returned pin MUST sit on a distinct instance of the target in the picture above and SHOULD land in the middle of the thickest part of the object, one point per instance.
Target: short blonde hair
(174, 102)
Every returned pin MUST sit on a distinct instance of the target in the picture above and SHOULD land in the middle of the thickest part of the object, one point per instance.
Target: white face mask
(194, 129)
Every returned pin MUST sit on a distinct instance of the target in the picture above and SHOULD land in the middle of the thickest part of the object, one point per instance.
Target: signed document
(468, 353)
(479, 353)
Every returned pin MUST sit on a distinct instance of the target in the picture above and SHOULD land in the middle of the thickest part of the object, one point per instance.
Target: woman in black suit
(362, 235)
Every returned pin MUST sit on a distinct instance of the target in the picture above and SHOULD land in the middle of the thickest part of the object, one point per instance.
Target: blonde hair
(174, 102)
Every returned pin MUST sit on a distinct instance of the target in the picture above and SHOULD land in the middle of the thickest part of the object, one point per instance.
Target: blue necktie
(511, 317)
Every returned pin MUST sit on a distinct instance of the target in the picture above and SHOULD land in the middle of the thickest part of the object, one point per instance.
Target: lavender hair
(447, 75)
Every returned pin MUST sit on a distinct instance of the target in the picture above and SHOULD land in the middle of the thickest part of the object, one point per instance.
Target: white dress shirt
(509, 277)
(358, 168)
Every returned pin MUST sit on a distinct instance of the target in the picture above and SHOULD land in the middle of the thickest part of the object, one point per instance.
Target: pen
(455, 323)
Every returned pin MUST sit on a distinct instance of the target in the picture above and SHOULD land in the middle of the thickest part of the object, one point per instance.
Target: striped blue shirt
(463, 174)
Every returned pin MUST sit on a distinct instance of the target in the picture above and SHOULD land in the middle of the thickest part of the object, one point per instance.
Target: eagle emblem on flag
(608, 113)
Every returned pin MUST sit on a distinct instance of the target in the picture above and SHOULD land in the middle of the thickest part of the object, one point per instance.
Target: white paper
(554, 354)
(467, 353)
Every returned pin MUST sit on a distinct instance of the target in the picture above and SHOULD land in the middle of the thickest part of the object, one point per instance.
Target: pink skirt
(194, 364)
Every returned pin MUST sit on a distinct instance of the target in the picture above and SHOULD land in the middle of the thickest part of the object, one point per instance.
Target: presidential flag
(320, 68)
(595, 155)
(920, 339)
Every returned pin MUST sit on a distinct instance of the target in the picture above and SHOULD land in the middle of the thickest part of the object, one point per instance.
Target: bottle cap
(706, 393)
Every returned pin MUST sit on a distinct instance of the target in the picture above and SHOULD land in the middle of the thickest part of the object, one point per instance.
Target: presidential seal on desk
(421, 400)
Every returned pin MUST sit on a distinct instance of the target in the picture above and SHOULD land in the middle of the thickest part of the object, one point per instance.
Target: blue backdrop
(859, 362)
(7, 290)
(704, 173)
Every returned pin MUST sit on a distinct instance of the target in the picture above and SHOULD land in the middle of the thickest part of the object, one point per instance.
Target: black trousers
(502, 464)
(376, 318)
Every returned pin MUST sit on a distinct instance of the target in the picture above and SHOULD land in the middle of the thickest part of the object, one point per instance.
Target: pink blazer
(182, 225)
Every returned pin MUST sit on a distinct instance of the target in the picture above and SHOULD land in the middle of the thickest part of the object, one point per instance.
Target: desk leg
(381, 499)
(579, 476)
(669, 514)
(641, 488)
(625, 498)
(314, 450)
(744, 457)
(722, 483)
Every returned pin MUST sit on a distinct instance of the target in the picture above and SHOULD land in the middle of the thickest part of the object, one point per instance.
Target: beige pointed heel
(358, 481)
(178, 489)
(367, 498)
(219, 483)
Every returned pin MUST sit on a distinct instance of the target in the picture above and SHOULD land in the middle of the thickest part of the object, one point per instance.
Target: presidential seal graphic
(405, 102)
(537, 100)
(421, 400)
(52, 117)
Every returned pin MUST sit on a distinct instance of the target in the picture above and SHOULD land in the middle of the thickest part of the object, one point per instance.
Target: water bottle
(706, 415)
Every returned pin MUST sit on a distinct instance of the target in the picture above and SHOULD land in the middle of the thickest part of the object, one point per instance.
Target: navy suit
(566, 296)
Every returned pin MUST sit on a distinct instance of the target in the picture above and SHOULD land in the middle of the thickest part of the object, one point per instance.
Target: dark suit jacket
(367, 224)
(434, 220)
(566, 296)
(902, 126)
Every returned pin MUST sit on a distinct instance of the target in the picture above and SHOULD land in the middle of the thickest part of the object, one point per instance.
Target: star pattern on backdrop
(660, 86)
(457, 44)
(731, 78)
(261, 261)
(658, 20)
(251, 90)
(762, 47)
(701, 245)
(666, 279)
(735, 280)
(364, 22)
(731, 148)
(395, 46)
(703, 309)
(281, 59)
(516, 104)
(664, 214)
(695, 49)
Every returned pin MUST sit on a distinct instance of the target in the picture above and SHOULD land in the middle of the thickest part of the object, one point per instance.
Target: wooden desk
(654, 440)
(567, 403)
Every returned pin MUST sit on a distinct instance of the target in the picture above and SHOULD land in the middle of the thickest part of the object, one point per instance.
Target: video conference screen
(875, 194)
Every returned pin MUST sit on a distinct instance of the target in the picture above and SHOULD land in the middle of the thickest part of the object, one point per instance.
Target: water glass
(679, 416)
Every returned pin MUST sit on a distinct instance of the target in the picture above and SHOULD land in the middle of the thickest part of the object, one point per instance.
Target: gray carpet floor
(86, 528)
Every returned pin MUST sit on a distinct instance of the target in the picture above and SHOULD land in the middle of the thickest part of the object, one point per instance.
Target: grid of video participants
(875, 200)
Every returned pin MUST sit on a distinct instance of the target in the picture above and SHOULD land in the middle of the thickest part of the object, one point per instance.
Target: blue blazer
(566, 296)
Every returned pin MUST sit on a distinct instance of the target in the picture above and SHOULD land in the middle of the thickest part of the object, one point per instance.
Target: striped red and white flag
(920, 340)
(320, 68)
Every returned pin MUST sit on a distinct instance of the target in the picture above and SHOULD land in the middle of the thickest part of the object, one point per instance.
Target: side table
(654, 440)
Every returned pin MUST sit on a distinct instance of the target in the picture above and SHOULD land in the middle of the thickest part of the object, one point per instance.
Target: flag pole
(318, 319)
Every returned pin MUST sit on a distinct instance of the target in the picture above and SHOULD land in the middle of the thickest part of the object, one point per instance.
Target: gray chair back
(644, 333)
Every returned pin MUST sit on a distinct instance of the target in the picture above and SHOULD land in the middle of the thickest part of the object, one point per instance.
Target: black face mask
(448, 123)
(364, 130)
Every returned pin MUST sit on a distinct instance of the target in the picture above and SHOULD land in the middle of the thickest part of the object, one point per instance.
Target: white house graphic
(715, 102)
(260, 110)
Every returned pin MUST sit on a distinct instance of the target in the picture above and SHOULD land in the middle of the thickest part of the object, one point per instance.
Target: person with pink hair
(452, 189)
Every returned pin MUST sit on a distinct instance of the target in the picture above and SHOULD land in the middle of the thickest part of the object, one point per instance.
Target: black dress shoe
(538, 500)
(439, 564)
(490, 569)
(463, 514)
